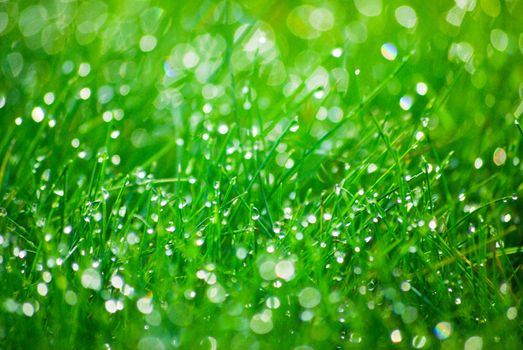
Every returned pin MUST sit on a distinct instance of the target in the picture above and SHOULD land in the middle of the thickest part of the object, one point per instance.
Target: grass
(261, 175)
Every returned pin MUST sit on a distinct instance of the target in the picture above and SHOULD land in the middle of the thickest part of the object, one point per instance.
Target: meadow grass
(261, 175)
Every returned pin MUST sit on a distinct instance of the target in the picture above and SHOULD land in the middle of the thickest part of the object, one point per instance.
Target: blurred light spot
(261, 323)
(190, 59)
(4, 21)
(28, 309)
(91, 279)
(356, 32)
(462, 50)
(223, 129)
(70, 297)
(42, 289)
(309, 297)
(216, 294)
(38, 114)
(49, 98)
(455, 16)
(84, 69)
(421, 89)
(32, 20)
(321, 19)
(298, 22)
(406, 16)
(372, 168)
(285, 270)
(474, 343)
(443, 330)
(406, 102)
(85, 93)
(145, 305)
(500, 156)
(499, 39)
(369, 8)
(491, 7)
(395, 336)
(148, 43)
(512, 313)
(337, 52)
(389, 51)
(418, 342)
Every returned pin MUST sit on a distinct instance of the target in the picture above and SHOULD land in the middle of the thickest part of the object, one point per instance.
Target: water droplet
(255, 214)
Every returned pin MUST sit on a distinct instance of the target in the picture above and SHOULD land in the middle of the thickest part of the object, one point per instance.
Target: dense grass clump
(261, 174)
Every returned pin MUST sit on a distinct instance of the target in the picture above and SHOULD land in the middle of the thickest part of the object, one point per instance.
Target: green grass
(261, 174)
